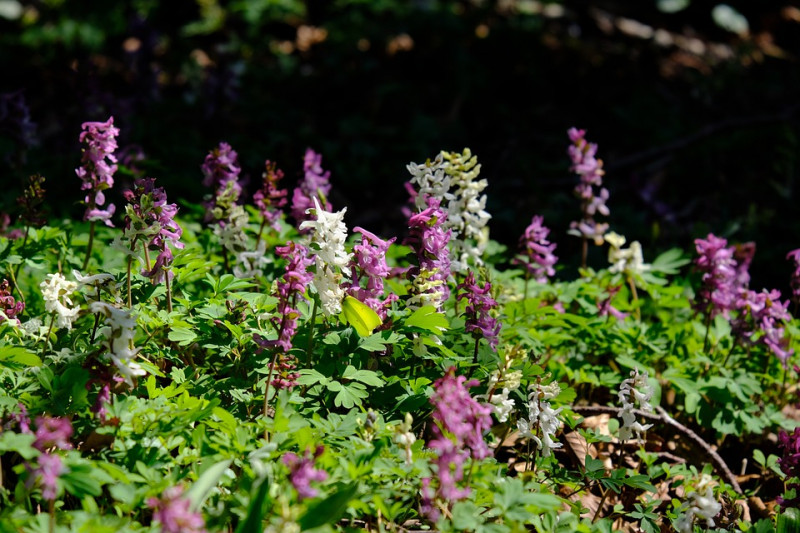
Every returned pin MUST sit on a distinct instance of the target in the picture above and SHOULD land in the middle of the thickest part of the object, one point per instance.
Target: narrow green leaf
(255, 510)
(201, 488)
(327, 510)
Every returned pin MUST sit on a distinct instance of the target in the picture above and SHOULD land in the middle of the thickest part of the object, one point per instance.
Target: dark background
(696, 119)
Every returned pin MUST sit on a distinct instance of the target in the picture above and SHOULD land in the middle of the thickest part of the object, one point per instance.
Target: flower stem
(14, 282)
(47, 337)
(169, 291)
(89, 246)
(311, 332)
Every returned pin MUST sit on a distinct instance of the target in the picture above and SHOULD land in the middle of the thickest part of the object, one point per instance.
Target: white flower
(403, 436)
(231, 231)
(634, 390)
(542, 418)
(97, 279)
(119, 332)
(56, 291)
(502, 405)
(702, 504)
(251, 264)
(329, 234)
(625, 260)
(431, 180)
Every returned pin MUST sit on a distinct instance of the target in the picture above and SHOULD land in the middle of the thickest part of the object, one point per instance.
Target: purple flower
(743, 255)
(789, 464)
(590, 171)
(479, 305)
(537, 258)
(173, 512)
(716, 263)
(604, 307)
(103, 399)
(269, 199)
(794, 255)
(221, 172)
(302, 472)
(460, 422)
(370, 260)
(429, 240)
(50, 467)
(52, 432)
(98, 167)
(315, 184)
(761, 319)
(148, 215)
(8, 304)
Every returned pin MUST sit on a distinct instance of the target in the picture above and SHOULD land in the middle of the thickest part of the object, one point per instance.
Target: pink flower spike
(172, 511)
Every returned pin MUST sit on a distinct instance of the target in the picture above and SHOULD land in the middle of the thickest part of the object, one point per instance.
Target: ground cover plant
(252, 364)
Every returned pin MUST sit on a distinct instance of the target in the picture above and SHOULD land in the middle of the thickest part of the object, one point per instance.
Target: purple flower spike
(590, 171)
(315, 184)
(269, 198)
(370, 260)
(537, 258)
(715, 260)
(479, 304)
(98, 167)
(794, 255)
(221, 172)
(8, 304)
(460, 422)
(429, 240)
(50, 467)
(174, 514)
(302, 472)
(52, 432)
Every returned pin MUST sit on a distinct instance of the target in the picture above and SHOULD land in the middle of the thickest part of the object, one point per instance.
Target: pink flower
(99, 166)
(370, 261)
(315, 184)
(302, 472)
(52, 432)
(8, 305)
(794, 255)
(47, 473)
(173, 512)
(429, 240)
(269, 199)
(590, 171)
(715, 261)
(537, 258)
(479, 304)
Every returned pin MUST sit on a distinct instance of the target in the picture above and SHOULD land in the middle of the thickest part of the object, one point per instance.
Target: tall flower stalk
(370, 263)
(429, 240)
(269, 198)
(590, 191)
(315, 185)
(537, 253)
(479, 320)
(151, 220)
(98, 165)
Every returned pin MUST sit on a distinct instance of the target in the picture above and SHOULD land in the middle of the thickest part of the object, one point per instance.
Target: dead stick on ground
(663, 417)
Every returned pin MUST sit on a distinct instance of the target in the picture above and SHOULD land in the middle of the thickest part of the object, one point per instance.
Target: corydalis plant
(98, 165)
(221, 172)
(480, 304)
(590, 171)
(302, 472)
(119, 333)
(537, 252)
(429, 240)
(172, 511)
(151, 220)
(269, 198)
(315, 185)
(542, 423)
(331, 259)
(634, 390)
(459, 424)
(370, 263)
(794, 255)
(761, 320)
(717, 294)
(9, 306)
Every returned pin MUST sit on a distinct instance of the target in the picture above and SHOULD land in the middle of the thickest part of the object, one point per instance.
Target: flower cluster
(429, 240)
(57, 292)
(634, 390)
(329, 234)
(702, 504)
(98, 167)
(537, 252)
(403, 436)
(542, 422)
(479, 305)
(789, 463)
(119, 332)
(430, 180)
(269, 198)
(220, 167)
(761, 321)
(314, 185)
(221, 171)
(149, 217)
(302, 472)
(51, 434)
(794, 255)
(9, 307)
(628, 261)
(718, 267)
(590, 170)
(460, 422)
(370, 261)
(466, 210)
(173, 512)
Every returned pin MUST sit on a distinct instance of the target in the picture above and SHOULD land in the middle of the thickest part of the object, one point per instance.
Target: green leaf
(255, 510)
(183, 336)
(327, 510)
(360, 316)
(201, 488)
(368, 377)
(15, 357)
(428, 318)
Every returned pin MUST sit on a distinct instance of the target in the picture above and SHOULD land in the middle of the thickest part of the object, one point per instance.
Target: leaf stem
(89, 245)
